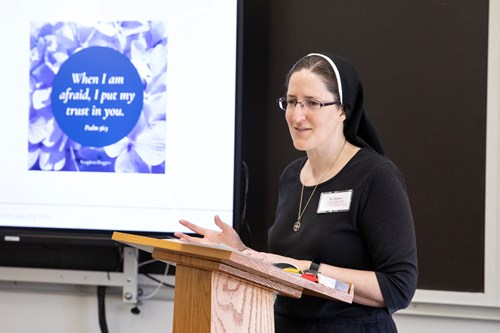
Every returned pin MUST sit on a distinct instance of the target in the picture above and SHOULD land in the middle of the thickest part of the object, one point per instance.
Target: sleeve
(387, 226)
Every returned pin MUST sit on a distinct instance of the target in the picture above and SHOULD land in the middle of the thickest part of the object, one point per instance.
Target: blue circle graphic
(97, 96)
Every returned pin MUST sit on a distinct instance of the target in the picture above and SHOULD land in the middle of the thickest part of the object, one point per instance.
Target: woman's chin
(300, 146)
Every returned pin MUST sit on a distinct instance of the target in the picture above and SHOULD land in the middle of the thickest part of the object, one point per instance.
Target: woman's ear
(343, 113)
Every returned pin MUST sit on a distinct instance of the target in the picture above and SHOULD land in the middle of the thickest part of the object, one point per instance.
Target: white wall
(419, 324)
(63, 309)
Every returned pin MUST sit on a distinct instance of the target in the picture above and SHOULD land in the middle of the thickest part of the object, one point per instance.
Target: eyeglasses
(286, 103)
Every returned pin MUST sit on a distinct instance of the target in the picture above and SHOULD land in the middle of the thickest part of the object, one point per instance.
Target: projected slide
(87, 92)
(117, 115)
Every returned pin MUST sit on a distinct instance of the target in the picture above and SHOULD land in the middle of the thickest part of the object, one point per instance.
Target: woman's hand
(227, 236)
(272, 258)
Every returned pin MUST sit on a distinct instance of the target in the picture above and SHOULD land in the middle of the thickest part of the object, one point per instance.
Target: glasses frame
(282, 100)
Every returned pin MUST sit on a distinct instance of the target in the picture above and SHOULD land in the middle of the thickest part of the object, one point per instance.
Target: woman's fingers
(180, 235)
(223, 226)
(199, 230)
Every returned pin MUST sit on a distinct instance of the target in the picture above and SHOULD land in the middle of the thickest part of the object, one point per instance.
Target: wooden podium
(219, 290)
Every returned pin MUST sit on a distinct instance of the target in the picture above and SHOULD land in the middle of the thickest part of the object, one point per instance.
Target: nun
(343, 209)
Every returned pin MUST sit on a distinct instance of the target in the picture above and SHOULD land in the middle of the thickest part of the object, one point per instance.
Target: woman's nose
(298, 113)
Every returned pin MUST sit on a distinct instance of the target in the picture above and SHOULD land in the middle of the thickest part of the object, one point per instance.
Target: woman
(343, 209)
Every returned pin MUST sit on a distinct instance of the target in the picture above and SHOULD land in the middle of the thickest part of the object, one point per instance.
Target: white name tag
(338, 201)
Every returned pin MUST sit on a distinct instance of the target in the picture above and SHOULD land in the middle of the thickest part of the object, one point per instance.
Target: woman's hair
(320, 66)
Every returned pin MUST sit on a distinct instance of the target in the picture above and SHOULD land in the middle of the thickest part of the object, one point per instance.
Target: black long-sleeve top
(375, 232)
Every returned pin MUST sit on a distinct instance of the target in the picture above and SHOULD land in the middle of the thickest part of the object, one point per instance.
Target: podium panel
(214, 302)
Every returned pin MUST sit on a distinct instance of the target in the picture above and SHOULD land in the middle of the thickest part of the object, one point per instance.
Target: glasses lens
(311, 104)
(282, 103)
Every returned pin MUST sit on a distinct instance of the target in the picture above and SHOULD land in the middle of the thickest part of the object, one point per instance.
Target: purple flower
(140, 152)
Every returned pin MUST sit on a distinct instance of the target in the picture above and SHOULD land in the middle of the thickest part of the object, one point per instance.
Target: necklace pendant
(296, 226)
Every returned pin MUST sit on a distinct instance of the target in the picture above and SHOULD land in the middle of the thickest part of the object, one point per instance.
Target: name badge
(338, 201)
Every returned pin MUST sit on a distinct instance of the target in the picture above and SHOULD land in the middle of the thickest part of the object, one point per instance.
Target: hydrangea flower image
(140, 151)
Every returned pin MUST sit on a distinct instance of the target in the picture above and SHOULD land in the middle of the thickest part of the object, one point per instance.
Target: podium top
(223, 258)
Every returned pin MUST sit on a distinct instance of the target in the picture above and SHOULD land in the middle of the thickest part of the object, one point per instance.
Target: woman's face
(313, 129)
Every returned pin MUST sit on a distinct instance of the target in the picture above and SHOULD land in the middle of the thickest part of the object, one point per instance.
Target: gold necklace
(298, 223)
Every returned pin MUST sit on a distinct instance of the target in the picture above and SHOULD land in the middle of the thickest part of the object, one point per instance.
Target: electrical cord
(168, 285)
(149, 276)
(160, 284)
(147, 262)
(101, 300)
(136, 310)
